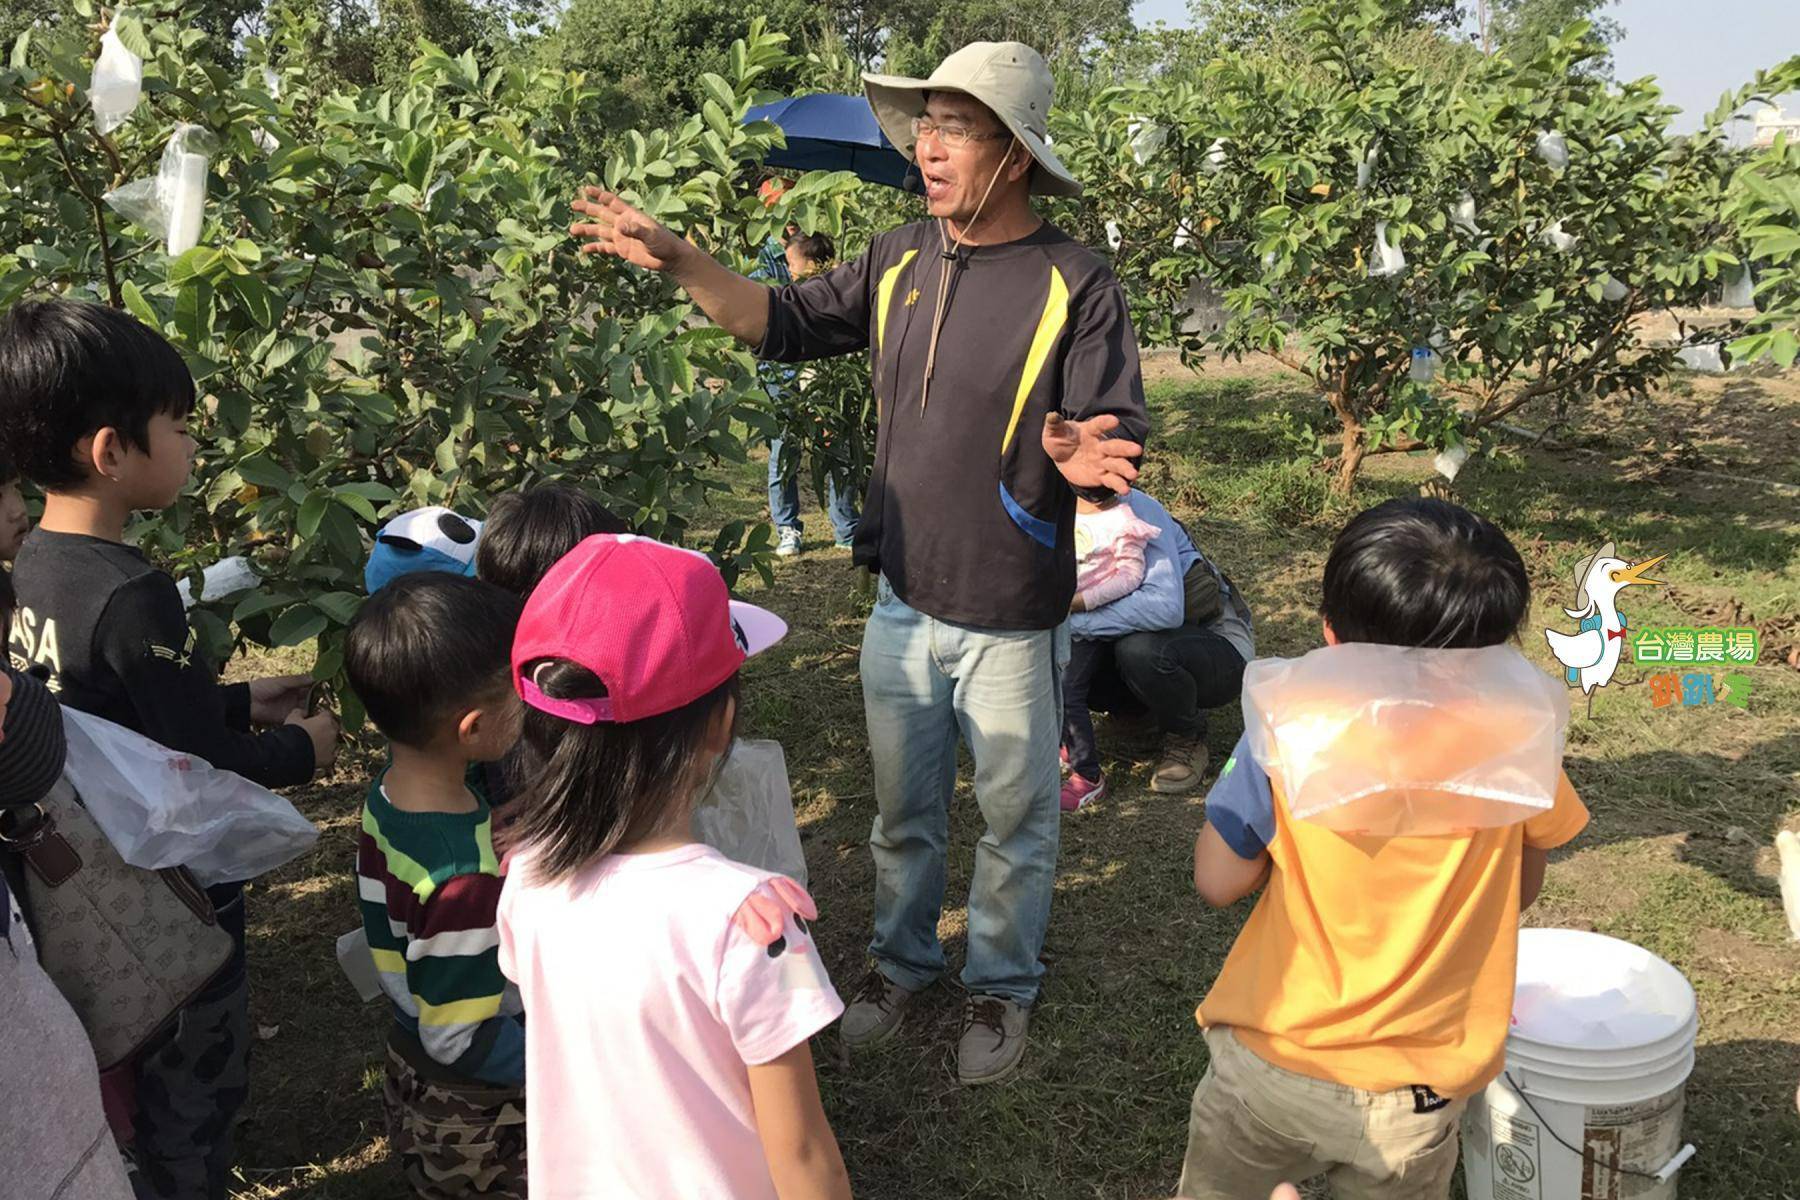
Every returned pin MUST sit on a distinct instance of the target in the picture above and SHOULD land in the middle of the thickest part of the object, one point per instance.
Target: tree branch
(114, 295)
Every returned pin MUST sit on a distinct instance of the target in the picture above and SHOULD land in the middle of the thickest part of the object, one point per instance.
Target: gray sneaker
(875, 1011)
(1183, 763)
(787, 543)
(993, 1040)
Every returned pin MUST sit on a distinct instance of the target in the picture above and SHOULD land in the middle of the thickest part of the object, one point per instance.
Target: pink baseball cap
(653, 621)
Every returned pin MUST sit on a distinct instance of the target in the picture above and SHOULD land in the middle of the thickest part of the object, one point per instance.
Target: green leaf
(261, 601)
(356, 504)
(137, 306)
(265, 472)
(131, 34)
(257, 299)
(311, 513)
(339, 606)
(199, 263)
(298, 624)
(719, 90)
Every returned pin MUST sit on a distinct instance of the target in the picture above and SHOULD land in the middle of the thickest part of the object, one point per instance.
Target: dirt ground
(1685, 802)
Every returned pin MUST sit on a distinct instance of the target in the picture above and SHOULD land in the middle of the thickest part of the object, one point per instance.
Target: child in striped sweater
(428, 656)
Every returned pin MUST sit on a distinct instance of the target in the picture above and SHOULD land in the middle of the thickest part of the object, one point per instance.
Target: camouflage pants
(190, 1087)
(455, 1141)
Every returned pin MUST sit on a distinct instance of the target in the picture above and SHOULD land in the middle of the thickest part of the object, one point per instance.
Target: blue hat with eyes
(425, 539)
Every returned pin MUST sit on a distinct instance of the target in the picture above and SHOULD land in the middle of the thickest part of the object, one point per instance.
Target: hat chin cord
(951, 253)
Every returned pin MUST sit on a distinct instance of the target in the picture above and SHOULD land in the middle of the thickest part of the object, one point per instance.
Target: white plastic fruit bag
(173, 204)
(118, 81)
(1387, 258)
(1399, 741)
(748, 815)
(160, 808)
(1147, 138)
(227, 577)
(1740, 290)
(1553, 148)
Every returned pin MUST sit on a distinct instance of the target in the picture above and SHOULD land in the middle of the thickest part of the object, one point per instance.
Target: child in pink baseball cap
(670, 993)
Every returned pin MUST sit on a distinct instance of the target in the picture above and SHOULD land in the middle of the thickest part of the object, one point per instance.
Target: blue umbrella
(827, 132)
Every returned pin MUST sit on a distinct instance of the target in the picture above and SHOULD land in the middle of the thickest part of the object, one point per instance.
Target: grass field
(1685, 804)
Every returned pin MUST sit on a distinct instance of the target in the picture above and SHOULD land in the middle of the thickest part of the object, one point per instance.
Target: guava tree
(1434, 248)
(383, 309)
(1765, 206)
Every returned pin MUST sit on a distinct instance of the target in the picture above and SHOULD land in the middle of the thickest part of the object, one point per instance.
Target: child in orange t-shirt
(1369, 994)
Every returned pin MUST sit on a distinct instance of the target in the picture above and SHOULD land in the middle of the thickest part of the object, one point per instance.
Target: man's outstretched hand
(617, 229)
(1088, 458)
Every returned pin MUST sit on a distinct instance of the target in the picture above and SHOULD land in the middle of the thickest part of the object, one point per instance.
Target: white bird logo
(1592, 655)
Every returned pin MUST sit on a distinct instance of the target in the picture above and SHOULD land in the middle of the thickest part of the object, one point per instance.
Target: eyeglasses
(954, 137)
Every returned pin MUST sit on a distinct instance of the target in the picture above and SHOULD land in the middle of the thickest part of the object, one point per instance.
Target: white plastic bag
(1449, 463)
(1401, 741)
(1611, 290)
(1182, 238)
(1463, 216)
(1365, 170)
(118, 82)
(1702, 358)
(1215, 157)
(173, 204)
(1741, 291)
(1146, 139)
(1556, 239)
(161, 808)
(358, 964)
(1553, 148)
(224, 578)
(266, 141)
(1386, 259)
(1113, 237)
(748, 815)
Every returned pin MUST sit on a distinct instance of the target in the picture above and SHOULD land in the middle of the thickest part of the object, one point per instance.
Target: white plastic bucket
(1590, 1104)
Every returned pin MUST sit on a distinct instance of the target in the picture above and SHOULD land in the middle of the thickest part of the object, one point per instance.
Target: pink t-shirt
(646, 1002)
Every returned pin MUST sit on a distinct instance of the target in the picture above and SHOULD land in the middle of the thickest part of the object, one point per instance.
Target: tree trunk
(1354, 447)
(1353, 441)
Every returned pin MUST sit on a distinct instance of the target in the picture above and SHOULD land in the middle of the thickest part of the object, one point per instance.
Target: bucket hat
(1010, 78)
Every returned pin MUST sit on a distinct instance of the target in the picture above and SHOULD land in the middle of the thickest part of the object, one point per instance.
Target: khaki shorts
(1255, 1125)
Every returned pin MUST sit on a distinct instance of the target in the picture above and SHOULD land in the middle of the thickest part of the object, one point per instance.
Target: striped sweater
(428, 884)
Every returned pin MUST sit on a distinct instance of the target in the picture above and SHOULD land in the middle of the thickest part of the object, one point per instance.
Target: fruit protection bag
(1396, 741)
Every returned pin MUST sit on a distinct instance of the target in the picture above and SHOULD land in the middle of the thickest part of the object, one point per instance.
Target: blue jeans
(784, 500)
(925, 684)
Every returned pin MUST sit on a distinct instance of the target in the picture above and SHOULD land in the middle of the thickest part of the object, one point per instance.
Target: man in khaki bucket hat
(1006, 377)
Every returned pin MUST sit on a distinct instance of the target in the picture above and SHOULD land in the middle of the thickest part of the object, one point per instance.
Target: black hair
(1424, 572)
(69, 369)
(596, 787)
(428, 646)
(815, 247)
(527, 532)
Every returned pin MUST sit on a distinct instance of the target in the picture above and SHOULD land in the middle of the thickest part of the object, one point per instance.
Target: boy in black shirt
(94, 409)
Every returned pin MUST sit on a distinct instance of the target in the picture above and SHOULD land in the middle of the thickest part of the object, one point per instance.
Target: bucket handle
(1661, 1175)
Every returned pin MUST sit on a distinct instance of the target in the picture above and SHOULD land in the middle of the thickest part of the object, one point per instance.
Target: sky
(1697, 51)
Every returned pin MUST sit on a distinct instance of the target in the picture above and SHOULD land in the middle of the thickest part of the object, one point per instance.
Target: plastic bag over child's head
(1396, 741)
(425, 539)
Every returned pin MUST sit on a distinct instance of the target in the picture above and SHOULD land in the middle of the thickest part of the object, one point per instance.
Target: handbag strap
(31, 834)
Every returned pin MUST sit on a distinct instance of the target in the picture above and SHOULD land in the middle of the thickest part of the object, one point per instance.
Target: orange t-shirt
(1375, 962)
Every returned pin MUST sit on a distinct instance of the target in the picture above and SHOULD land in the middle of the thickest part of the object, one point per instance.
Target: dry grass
(1685, 803)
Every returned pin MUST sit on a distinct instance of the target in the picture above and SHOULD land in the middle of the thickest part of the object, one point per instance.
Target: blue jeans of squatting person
(926, 684)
